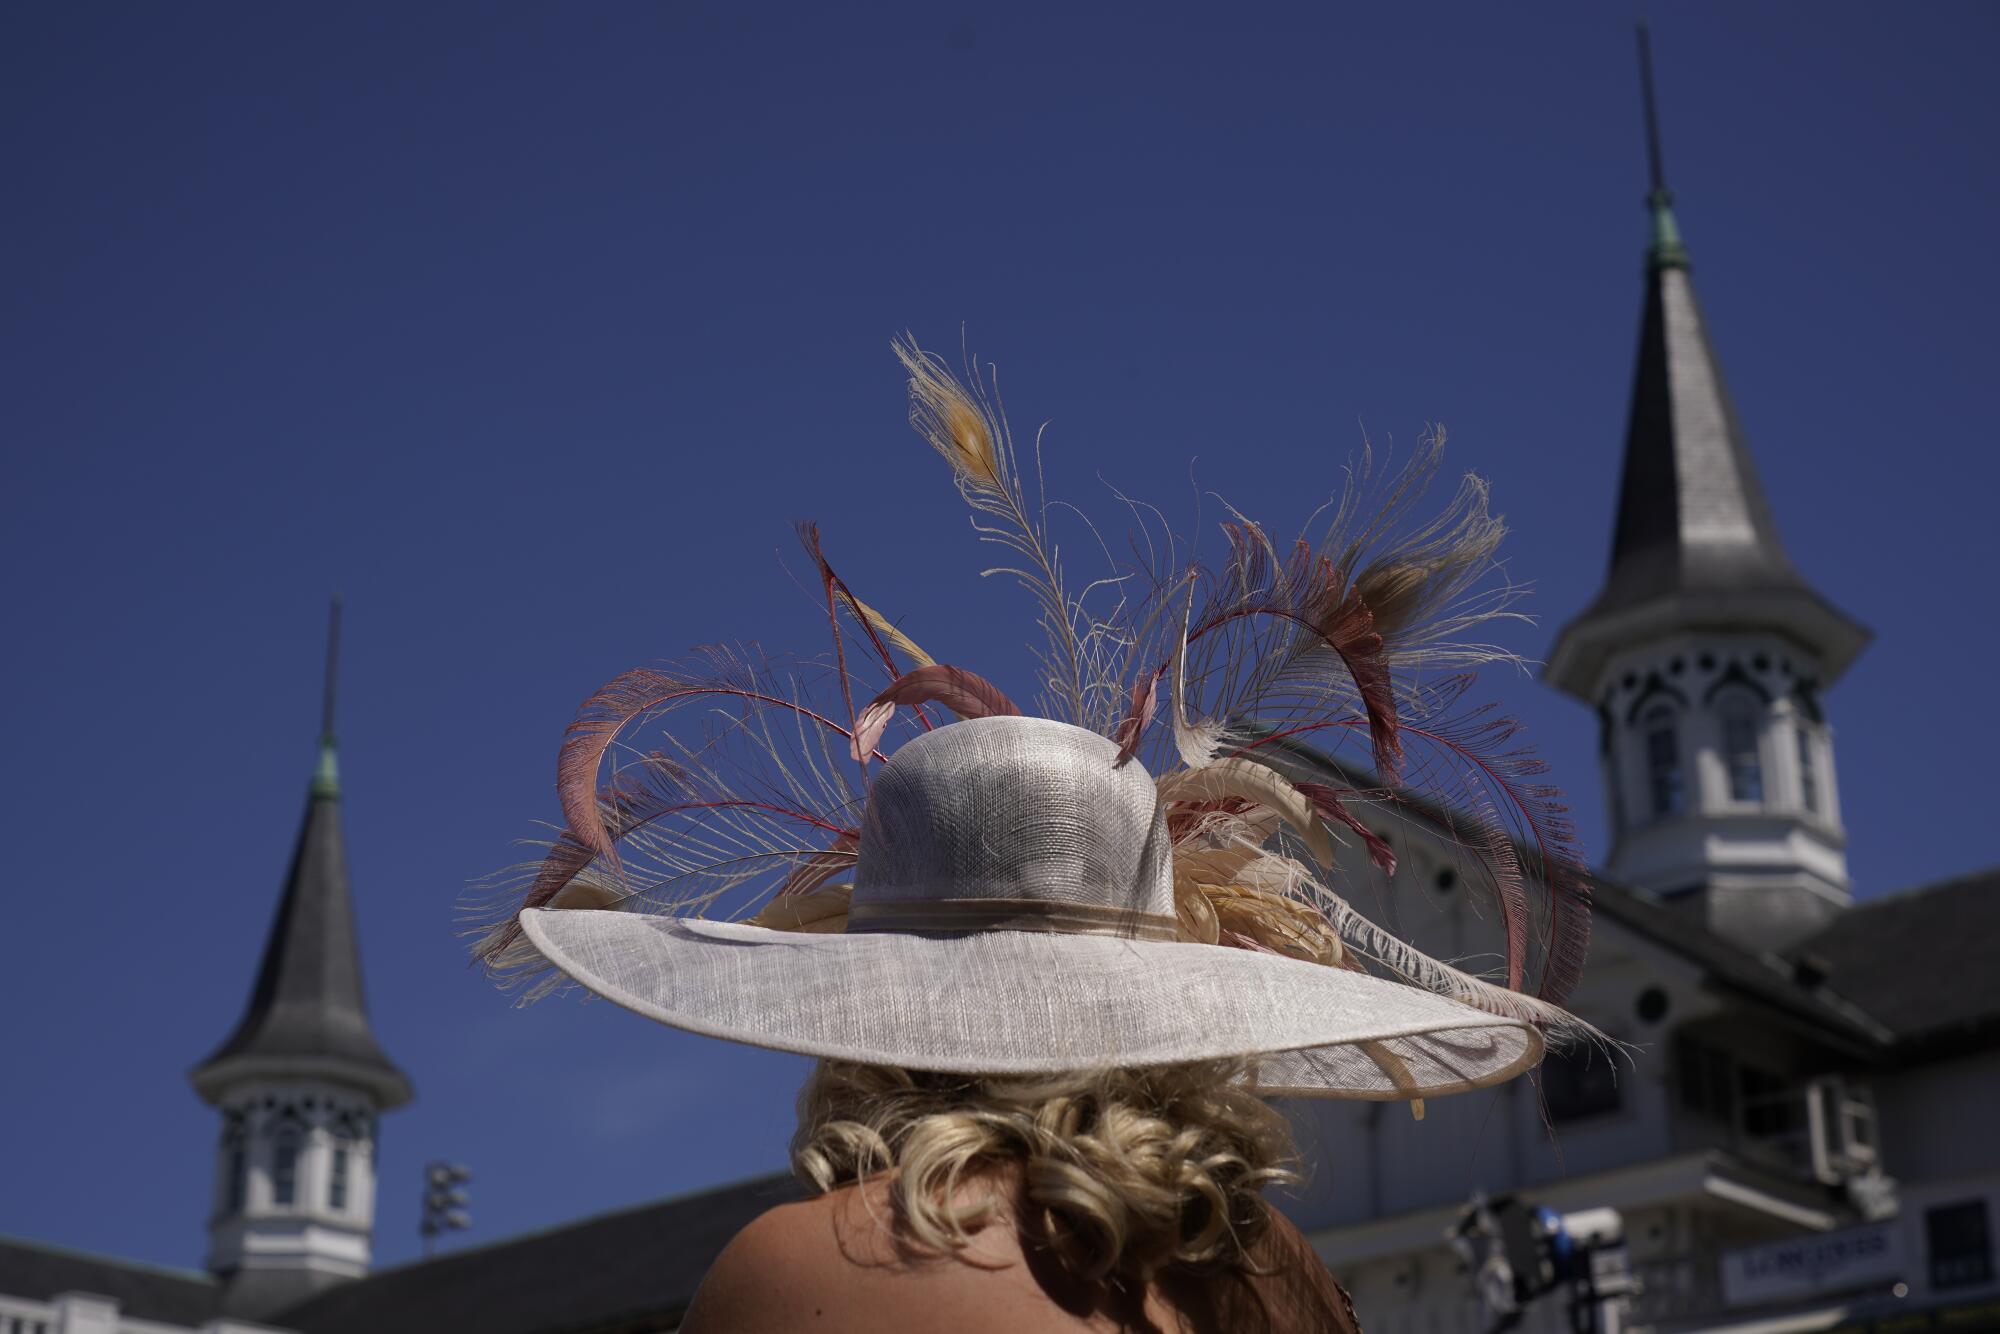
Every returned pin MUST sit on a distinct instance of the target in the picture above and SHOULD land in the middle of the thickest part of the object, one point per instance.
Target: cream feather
(1253, 782)
(947, 417)
(886, 628)
(1195, 913)
(967, 428)
(1399, 1074)
(821, 911)
(1276, 923)
(1284, 877)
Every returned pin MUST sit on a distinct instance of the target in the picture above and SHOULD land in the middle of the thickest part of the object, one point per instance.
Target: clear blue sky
(532, 327)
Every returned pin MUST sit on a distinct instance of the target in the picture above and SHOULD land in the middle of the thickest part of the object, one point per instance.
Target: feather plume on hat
(1290, 698)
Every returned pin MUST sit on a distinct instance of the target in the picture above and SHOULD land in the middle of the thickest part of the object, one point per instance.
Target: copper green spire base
(326, 778)
(1666, 252)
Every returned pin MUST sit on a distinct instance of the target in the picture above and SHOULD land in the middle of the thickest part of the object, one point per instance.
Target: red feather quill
(1145, 702)
(1327, 800)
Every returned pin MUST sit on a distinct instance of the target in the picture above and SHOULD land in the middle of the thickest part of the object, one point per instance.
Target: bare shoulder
(833, 1264)
(777, 1273)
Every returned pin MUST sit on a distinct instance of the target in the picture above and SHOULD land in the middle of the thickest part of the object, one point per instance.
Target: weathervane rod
(1652, 112)
(332, 668)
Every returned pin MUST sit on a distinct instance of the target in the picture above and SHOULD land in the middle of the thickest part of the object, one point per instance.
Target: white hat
(1010, 894)
(1013, 911)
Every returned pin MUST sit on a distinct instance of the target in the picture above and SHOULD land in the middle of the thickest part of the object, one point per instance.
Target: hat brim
(1020, 1002)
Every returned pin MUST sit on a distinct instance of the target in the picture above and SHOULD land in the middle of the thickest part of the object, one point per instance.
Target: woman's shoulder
(772, 1275)
(833, 1262)
(777, 1273)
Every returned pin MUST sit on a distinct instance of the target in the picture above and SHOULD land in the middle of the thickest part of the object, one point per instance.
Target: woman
(1050, 993)
(1115, 1200)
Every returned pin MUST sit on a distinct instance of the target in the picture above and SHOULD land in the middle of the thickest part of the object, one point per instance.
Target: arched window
(1666, 786)
(336, 1184)
(1808, 766)
(285, 1167)
(1742, 717)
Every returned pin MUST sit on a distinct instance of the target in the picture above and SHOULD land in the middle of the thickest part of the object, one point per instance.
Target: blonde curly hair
(1125, 1173)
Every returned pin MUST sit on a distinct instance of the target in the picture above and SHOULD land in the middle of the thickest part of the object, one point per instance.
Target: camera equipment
(1518, 1253)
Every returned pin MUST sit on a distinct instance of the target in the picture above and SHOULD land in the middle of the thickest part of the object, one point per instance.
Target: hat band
(927, 916)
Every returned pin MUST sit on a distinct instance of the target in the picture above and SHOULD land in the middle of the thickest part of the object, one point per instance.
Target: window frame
(287, 1149)
(1735, 710)
(337, 1180)
(1806, 749)
(1580, 1084)
(1666, 784)
(1960, 1265)
(236, 1180)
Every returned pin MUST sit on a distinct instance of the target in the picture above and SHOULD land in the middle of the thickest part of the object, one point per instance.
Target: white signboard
(1812, 1266)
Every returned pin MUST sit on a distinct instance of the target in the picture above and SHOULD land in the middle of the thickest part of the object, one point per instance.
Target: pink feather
(1347, 625)
(600, 718)
(965, 693)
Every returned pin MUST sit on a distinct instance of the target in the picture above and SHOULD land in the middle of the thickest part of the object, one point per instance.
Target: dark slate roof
(306, 1013)
(1765, 978)
(42, 1273)
(618, 1273)
(1903, 976)
(1691, 510)
(1695, 544)
(1920, 961)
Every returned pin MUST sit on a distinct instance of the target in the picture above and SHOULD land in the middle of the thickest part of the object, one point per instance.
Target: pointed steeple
(1695, 543)
(306, 1015)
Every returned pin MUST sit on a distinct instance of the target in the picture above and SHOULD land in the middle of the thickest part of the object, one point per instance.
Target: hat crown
(1014, 808)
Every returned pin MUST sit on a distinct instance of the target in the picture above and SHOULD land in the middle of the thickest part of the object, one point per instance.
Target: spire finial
(326, 779)
(1659, 175)
(1667, 251)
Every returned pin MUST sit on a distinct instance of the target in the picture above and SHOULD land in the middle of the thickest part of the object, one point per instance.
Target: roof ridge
(1908, 892)
(96, 1257)
(744, 1184)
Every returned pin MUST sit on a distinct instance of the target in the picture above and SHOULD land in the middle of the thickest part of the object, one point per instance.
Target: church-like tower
(300, 1083)
(1706, 654)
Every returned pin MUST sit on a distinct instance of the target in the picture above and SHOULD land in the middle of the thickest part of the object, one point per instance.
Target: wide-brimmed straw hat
(1151, 873)
(1013, 912)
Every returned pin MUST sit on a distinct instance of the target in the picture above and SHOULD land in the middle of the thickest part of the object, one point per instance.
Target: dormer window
(1742, 718)
(1666, 785)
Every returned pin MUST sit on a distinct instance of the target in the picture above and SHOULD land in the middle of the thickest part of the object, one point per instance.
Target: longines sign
(1814, 1266)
